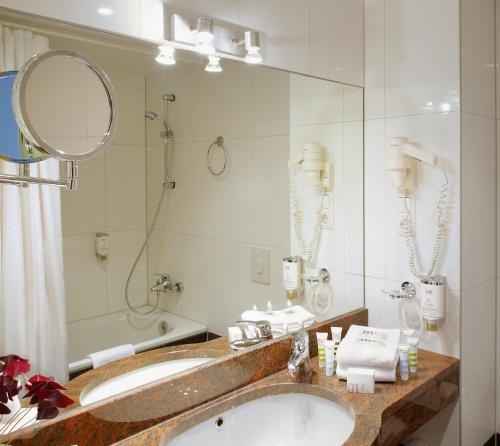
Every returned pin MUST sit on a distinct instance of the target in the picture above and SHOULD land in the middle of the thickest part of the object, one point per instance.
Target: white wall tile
(130, 101)
(124, 247)
(333, 23)
(353, 103)
(284, 28)
(375, 198)
(478, 56)
(125, 187)
(478, 364)
(374, 59)
(236, 210)
(478, 199)
(271, 213)
(271, 102)
(84, 298)
(155, 175)
(234, 293)
(440, 135)
(354, 292)
(314, 101)
(207, 105)
(421, 57)
(190, 260)
(124, 20)
(84, 210)
(226, 10)
(237, 100)
(353, 197)
(194, 204)
(375, 301)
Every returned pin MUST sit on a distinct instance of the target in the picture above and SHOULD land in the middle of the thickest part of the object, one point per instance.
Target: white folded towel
(111, 354)
(382, 374)
(369, 347)
(282, 321)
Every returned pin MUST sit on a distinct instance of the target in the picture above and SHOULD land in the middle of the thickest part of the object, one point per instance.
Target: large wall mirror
(201, 195)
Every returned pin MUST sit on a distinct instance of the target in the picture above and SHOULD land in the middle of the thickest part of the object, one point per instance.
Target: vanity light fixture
(166, 55)
(210, 37)
(105, 11)
(213, 65)
(252, 45)
(204, 36)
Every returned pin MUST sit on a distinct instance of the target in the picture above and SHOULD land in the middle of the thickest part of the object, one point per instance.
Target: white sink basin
(289, 419)
(137, 378)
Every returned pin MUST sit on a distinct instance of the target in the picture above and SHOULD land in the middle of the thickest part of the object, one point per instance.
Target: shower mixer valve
(164, 284)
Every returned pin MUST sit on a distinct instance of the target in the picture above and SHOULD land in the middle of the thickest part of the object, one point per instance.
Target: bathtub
(144, 332)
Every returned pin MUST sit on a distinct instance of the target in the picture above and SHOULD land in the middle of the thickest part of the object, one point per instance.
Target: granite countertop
(215, 348)
(384, 418)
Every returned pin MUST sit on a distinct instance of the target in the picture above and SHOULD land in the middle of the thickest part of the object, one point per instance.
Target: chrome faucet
(299, 363)
(164, 284)
(262, 331)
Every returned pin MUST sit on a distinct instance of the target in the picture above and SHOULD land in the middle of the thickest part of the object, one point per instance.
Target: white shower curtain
(32, 301)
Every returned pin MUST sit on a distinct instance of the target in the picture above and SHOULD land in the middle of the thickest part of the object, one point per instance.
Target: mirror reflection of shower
(168, 166)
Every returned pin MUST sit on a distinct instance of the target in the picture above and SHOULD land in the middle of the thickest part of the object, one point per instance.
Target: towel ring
(219, 142)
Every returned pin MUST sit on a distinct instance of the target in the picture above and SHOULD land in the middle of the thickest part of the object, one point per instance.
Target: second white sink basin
(137, 378)
(289, 419)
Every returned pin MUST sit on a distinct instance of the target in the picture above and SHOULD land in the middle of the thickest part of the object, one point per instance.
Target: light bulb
(204, 36)
(252, 45)
(253, 56)
(213, 65)
(166, 55)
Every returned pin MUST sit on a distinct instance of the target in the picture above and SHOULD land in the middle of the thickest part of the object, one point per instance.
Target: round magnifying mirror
(63, 104)
(13, 145)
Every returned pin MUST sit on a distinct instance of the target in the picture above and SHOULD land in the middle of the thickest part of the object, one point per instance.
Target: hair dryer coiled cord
(406, 227)
(306, 246)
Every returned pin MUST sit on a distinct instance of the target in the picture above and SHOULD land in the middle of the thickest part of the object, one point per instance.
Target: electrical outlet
(261, 265)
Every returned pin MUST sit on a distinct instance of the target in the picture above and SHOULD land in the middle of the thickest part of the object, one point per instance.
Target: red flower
(13, 365)
(46, 393)
(9, 388)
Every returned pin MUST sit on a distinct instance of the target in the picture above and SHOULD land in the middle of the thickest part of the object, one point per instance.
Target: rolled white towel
(369, 347)
(111, 354)
(382, 374)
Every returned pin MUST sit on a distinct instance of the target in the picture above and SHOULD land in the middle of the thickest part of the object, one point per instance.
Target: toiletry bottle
(432, 301)
(336, 338)
(291, 276)
(404, 369)
(329, 355)
(322, 337)
(413, 354)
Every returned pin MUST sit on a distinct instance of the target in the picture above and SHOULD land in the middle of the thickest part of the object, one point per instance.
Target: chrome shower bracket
(407, 291)
(24, 180)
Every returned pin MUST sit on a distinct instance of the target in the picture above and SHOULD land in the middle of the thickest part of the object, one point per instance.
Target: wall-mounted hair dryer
(316, 171)
(401, 163)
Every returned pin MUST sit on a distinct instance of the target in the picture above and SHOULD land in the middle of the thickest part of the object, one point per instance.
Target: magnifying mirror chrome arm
(70, 183)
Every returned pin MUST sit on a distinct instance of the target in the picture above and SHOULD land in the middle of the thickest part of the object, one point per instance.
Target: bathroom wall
(111, 198)
(478, 220)
(319, 37)
(208, 225)
(430, 77)
(332, 114)
(412, 88)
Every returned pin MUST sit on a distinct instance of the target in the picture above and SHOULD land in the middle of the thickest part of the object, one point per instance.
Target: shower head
(152, 115)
